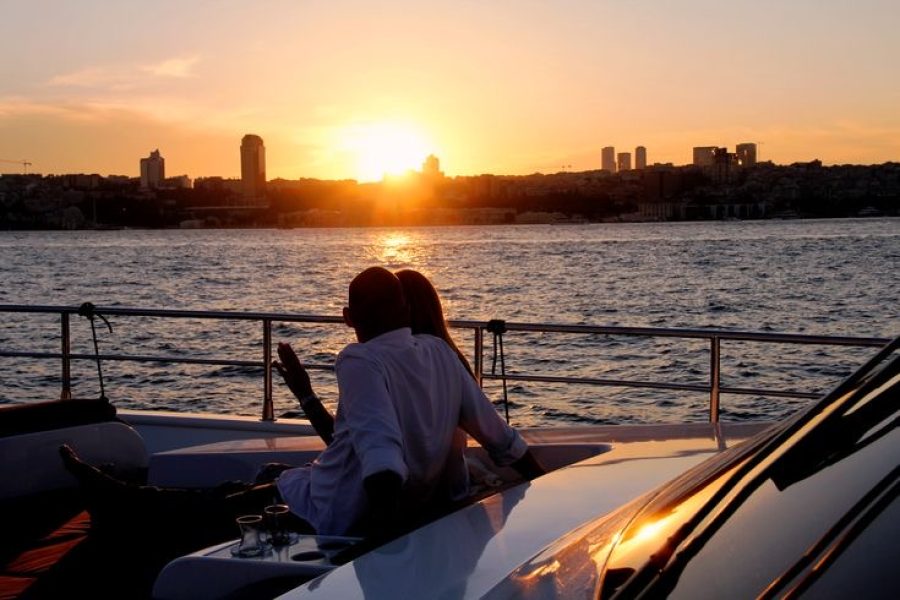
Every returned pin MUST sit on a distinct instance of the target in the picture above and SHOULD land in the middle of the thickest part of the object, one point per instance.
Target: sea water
(823, 277)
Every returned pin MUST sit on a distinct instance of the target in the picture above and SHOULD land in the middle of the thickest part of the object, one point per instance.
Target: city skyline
(352, 90)
(151, 170)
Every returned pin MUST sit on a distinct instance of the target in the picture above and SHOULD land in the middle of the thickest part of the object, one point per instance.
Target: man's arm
(297, 379)
(383, 492)
(377, 438)
(479, 418)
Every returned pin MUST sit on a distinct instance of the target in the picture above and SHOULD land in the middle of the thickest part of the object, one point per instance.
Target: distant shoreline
(654, 194)
(438, 225)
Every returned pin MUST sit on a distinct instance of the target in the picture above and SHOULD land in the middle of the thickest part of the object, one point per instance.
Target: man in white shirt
(395, 446)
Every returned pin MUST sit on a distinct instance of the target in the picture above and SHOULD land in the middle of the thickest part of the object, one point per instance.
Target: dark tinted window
(774, 527)
(817, 493)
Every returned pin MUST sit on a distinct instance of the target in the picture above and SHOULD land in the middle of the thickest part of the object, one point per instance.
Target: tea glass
(252, 542)
(276, 520)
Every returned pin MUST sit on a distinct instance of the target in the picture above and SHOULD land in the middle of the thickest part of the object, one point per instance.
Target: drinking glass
(276, 520)
(251, 543)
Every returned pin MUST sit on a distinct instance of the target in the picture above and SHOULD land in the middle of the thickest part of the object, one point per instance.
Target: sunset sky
(347, 89)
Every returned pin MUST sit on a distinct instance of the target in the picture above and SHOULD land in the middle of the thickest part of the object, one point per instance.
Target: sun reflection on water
(395, 249)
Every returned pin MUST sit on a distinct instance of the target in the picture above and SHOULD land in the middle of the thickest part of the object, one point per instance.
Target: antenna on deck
(88, 311)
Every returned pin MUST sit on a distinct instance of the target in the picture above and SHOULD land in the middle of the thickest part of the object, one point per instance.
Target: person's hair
(425, 312)
(377, 304)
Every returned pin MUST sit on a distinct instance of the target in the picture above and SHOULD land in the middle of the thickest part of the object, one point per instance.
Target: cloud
(91, 110)
(11, 108)
(173, 67)
(87, 77)
(127, 77)
(161, 108)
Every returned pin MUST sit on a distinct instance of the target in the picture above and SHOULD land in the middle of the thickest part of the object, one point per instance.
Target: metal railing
(715, 337)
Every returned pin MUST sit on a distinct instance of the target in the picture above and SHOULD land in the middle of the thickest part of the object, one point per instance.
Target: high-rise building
(704, 156)
(253, 166)
(608, 159)
(431, 168)
(640, 158)
(746, 154)
(623, 161)
(723, 161)
(153, 170)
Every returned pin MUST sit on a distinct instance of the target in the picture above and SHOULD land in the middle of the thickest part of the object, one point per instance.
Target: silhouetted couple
(395, 446)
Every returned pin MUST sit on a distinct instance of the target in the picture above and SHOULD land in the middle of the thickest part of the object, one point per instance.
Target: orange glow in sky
(354, 89)
(383, 149)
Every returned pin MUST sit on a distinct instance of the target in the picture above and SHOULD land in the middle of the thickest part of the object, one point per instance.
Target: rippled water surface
(835, 277)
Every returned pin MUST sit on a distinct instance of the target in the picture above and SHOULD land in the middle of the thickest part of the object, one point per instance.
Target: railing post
(478, 365)
(66, 351)
(268, 410)
(714, 375)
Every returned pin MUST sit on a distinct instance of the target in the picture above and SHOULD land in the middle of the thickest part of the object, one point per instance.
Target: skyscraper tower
(253, 166)
(746, 154)
(153, 170)
(431, 168)
(640, 158)
(704, 156)
(608, 159)
(623, 160)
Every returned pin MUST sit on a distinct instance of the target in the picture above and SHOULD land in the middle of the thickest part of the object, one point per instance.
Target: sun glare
(383, 149)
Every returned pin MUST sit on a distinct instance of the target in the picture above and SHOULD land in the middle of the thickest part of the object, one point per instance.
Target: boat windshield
(708, 514)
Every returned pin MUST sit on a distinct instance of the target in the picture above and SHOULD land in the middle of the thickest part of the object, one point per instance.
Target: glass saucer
(261, 550)
(290, 538)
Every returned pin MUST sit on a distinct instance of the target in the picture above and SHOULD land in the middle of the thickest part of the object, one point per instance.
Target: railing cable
(88, 311)
(498, 328)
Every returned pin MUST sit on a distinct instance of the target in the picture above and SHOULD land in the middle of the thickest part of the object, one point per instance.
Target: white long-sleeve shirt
(402, 398)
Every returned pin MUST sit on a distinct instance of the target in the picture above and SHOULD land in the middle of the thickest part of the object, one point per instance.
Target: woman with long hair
(426, 315)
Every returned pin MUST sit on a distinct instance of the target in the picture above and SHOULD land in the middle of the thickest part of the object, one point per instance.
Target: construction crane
(25, 164)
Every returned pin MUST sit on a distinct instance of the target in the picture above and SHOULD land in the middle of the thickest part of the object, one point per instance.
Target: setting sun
(384, 149)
